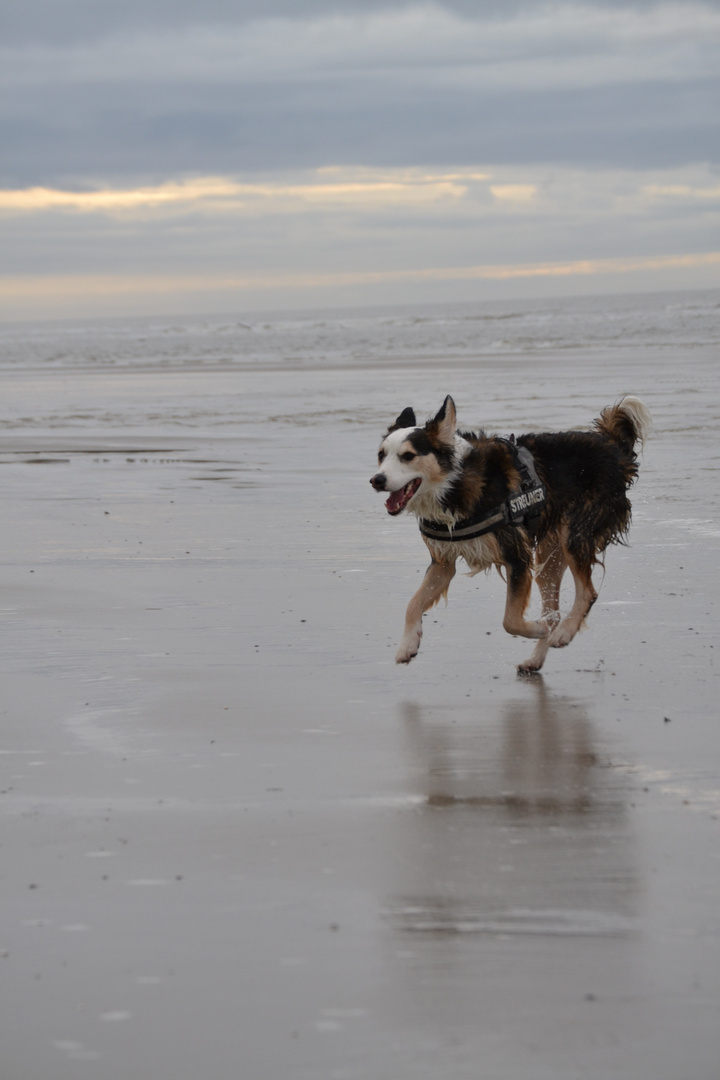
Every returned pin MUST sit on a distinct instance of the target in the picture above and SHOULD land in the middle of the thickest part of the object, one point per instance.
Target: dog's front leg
(435, 584)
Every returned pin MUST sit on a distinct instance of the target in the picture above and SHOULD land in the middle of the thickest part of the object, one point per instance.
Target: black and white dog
(531, 507)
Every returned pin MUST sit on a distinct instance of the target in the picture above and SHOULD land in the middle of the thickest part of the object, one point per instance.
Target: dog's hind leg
(519, 584)
(552, 565)
(585, 597)
(435, 585)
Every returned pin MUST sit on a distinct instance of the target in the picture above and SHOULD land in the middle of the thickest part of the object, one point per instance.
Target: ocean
(507, 364)
(420, 335)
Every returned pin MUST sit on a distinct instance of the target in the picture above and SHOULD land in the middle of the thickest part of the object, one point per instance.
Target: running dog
(532, 507)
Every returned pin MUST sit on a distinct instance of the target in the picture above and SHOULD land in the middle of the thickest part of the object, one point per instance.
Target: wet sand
(239, 842)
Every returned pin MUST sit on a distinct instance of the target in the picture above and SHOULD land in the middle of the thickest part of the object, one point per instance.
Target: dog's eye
(381, 457)
(408, 456)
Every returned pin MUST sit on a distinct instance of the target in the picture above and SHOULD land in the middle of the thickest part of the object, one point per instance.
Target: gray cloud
(132, 92)
(85, 20)
(132, 140)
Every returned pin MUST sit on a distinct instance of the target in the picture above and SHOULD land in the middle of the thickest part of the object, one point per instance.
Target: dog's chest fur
(479, 554)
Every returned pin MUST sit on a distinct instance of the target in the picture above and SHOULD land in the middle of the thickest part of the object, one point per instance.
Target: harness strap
(521, 508)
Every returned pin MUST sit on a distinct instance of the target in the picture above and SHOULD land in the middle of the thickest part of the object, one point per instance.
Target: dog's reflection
(546, 765)
(521, 828)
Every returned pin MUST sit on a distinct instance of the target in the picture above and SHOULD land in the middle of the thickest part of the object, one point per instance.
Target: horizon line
(56, 285)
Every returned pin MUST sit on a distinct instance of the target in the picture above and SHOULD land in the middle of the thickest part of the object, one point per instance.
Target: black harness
(522, 507)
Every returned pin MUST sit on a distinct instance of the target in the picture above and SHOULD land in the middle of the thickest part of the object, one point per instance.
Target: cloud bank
(571, 83)
(305, 141)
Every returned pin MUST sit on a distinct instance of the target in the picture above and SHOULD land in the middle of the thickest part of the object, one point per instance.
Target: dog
(532, 507)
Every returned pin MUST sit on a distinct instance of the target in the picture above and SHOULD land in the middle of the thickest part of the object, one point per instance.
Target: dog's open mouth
(399, 499)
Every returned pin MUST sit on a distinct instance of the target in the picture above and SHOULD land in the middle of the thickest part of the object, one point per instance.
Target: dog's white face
(403, 468)
(415, 461)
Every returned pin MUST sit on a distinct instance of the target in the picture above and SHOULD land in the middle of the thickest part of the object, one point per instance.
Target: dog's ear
(405, 419)
(444, 423)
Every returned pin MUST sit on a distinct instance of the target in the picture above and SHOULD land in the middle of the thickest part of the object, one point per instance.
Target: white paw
(536, 661)
(529, 667)
(409, 647)
(562, 636)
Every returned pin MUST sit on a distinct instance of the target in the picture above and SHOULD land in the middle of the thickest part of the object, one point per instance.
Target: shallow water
(238, 840)
(424, 335)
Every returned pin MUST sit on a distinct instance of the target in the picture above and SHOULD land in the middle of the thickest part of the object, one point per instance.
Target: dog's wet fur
(439, 473)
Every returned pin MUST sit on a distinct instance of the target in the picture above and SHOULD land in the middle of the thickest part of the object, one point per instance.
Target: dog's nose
(378, 481)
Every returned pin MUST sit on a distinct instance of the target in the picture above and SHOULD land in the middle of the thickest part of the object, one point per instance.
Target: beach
(238, 841)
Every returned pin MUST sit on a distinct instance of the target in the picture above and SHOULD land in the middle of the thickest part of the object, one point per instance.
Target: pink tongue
(396, 499)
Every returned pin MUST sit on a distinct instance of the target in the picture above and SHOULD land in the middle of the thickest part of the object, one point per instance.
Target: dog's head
(416, 460)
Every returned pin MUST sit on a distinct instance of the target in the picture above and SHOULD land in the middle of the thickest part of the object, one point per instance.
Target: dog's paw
(409, 647)
(532, 665)
(535, 661)
(529, 667)
(562, 636)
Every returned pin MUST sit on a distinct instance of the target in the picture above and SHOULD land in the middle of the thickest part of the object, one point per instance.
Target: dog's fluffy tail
(626, 423)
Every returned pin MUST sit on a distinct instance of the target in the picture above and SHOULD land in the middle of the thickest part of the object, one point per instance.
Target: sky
(166, 156)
